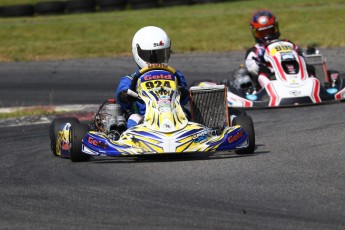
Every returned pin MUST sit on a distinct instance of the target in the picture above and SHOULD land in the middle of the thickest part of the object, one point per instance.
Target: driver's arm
(184, 90)
(124, 85)
(251, 62)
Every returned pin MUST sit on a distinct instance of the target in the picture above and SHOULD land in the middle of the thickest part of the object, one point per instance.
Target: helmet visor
(265, 33)
(154, 56)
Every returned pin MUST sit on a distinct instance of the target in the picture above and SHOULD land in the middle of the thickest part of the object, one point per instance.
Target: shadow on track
(174, 157)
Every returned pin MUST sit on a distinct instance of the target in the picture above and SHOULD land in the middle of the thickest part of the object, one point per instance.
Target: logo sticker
(332, 90)
(161, 43)
(295, 92)
(263, 20)
(251, 97)
(200, 137)
(235, 137)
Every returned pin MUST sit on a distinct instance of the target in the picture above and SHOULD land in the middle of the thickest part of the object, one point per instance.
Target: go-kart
(290, 83)
(165, 127)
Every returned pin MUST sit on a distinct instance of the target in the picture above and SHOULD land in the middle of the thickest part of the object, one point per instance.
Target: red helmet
(264, 26)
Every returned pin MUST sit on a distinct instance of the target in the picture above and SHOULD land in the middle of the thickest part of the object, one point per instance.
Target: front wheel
(77, 133)
(54, 130)
(246, 123)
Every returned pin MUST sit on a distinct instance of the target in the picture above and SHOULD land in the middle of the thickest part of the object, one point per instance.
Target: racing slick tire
(49, 8)
(142, 4)
(167, 3)
(80, 6)
(54, 130)
(246, 123)
(108, 5)
(77, 133)
(236, 112)
(24, 10)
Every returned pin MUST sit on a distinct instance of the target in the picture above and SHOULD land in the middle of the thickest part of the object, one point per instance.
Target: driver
(150, 45)
(265, 29)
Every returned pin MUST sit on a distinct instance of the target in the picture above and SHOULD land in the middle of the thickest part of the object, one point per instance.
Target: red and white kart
(290, 85)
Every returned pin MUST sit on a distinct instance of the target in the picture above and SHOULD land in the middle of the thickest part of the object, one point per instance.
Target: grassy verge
(202, 28)
(28, 112)
(18, 2)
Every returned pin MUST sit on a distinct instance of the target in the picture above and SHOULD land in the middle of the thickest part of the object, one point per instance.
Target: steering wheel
(149, 68)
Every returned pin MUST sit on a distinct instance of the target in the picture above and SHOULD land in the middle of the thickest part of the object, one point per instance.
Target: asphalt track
(295, 179)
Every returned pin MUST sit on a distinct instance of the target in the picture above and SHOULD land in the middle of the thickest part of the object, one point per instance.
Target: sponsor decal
(163, 92)
(164, 105)
(164, 97)
(332, 91)
(251, 97)
(97, 143)
(157, 65)
(166, 126)
(295, 92)
(263, 20)
(157, 77)
(161, 43)
(200, 137)
(64, 145)
(235, 137)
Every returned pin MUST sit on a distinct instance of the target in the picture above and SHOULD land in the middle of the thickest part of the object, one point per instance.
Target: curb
(82, 112)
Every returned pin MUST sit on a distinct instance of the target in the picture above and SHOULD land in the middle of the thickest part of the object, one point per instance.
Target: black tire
(236, 111)
(77, 134)
(1, 11)
(167, 3)
(54, 129)
(341, 80)
(18, 11)
(247, 124)
(80, 6)
(142, 4)
(108, 5)
(50, 8)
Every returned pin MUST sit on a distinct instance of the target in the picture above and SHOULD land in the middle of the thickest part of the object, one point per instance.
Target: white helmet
(151, 45)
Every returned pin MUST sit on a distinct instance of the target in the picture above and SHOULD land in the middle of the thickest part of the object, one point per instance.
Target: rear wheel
(107, 5)
(49, 8)
(77, 133)
(80, 6)
(54, 130)
(341, 80)
(246, 123)
(17, 10)
(236, 111)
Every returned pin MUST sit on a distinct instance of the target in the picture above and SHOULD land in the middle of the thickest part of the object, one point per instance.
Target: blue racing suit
(125, 83)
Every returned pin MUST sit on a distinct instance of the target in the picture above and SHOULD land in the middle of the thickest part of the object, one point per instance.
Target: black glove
(123, 97)
(184, 92)
(263, 69)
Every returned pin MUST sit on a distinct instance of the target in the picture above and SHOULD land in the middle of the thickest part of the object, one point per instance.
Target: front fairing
(159, 90)
(140, 140)
(289, 67)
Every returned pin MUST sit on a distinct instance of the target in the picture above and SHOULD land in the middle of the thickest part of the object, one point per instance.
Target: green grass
(200, 28)
(19, 2)
(27, 112)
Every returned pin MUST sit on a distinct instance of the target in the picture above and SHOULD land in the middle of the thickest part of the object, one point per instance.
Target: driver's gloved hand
(124, 97)
(261, 52)
(184, 92)
(263, 69)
